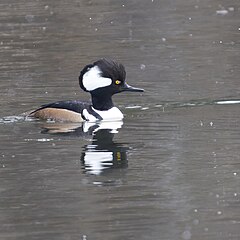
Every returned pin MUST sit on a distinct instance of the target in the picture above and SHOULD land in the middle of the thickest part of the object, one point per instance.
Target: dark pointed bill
(129, 88)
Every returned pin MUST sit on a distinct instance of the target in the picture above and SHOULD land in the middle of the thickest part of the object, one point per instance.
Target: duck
(102, 79)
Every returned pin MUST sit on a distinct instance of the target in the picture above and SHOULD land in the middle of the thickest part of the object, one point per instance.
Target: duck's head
(105, 77)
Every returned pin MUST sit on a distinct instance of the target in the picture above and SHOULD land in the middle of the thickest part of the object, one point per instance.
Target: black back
(76, 106)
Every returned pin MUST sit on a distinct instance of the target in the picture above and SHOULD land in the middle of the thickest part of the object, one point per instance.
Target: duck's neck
(102, 102)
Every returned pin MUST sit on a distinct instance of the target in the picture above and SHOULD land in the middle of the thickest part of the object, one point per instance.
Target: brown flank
(58, 115)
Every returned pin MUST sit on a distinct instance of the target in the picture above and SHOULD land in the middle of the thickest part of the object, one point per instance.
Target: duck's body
(102, 79)
(75, 111)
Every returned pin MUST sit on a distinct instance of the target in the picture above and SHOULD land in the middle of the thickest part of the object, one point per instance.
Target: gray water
(170, 170)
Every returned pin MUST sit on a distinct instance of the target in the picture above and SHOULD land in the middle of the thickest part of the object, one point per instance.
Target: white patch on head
(93, 80)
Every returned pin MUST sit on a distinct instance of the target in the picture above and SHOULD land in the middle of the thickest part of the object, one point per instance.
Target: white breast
(113, 114)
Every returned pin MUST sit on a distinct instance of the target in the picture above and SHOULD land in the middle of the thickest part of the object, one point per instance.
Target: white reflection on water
(228, 102)
(96, 162)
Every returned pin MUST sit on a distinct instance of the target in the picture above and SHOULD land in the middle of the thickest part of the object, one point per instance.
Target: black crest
(111, 69)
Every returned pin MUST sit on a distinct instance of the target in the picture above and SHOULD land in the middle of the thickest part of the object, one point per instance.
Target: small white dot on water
(132, 107)
(97, 183)
(44, 139)
(186, 235)
(219, 212)
(222, 12)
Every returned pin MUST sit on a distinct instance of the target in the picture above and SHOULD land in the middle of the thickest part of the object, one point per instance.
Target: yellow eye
(117, 82)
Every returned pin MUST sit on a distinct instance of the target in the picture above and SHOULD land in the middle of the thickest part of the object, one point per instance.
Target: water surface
(170, 170)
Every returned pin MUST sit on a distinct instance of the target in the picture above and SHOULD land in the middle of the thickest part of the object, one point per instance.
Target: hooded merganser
(102, 80)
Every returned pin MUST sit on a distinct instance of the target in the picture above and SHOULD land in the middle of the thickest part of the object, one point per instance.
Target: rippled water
(170, 170)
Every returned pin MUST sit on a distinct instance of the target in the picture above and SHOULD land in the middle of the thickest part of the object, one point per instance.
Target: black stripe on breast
(92, 112)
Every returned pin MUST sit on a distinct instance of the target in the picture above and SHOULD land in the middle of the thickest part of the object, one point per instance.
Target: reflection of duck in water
(79, 129)
(103, 154)
(102, 80)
